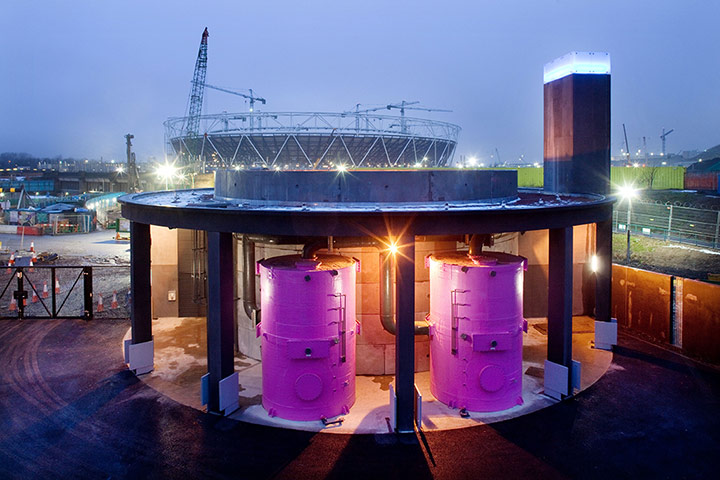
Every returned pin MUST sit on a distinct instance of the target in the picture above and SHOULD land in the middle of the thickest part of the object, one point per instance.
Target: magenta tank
(476, 330)
(308, 336)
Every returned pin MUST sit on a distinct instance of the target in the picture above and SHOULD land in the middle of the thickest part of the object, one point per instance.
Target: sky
(76, 76)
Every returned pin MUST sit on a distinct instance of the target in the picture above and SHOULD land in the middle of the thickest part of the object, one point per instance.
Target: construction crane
(402, 106)
(662, 137)
(627, 147)
(192, 124)
(133, 175)
(250, 97)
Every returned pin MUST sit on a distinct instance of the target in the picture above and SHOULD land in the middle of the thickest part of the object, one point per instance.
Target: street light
(166, 172)
(628, 192)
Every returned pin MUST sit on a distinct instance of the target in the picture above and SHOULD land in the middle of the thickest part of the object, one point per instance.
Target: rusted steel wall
(642, 301)
(701, 320)
(618, 309)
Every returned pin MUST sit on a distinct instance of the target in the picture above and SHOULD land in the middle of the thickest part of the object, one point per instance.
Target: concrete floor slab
(180, 362)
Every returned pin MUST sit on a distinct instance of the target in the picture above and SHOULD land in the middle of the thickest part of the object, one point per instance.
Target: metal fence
(65, 292)
(681, 224)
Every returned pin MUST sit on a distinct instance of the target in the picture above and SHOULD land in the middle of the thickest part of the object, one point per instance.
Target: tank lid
(322, 262)
(486, 259)
(307, 264)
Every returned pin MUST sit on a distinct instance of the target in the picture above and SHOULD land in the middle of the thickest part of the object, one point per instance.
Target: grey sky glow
(78, 75)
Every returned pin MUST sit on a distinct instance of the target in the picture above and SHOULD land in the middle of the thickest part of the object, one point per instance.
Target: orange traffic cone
(31, 269)
(35, 298)
(57, 286)
(114, 304)
(11, 262)
(100, 306)
(45, 293)
(32, 247)
(13, 305)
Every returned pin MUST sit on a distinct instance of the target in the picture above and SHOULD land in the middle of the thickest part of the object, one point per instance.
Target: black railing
(42, 292)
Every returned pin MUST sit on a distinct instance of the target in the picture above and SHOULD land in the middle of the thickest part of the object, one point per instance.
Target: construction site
(329, 297)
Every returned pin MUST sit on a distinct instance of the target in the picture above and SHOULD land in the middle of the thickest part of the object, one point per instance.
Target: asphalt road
(99, 244)
(69, 408)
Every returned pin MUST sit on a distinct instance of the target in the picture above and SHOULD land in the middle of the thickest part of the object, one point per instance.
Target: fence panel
(64, 292)
(694, 226)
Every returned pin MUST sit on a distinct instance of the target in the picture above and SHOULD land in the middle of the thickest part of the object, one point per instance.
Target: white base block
(418, 407)
(140, 357)
(229, 392)
(393, 406)
(205, 389)
(606, 334)
(576, 371)
(556, 380)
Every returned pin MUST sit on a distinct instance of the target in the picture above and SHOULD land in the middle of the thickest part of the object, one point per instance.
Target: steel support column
(603, 275)
(560, 296)
(405, 334)
(140, 309)
(220, 315)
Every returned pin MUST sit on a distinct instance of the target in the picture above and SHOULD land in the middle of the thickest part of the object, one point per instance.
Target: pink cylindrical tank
(476, 327)
(308, 336)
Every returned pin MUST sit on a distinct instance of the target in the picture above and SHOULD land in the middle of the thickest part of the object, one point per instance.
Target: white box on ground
(556, 380)
(140, 357)
(606, 334)
(229, 391)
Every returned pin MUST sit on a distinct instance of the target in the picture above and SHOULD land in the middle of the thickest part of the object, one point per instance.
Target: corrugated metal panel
(702, 181)
(662, 178)
(530, 177)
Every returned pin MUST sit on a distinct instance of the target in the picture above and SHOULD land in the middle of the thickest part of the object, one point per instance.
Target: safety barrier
(695, 226)
(38, 292)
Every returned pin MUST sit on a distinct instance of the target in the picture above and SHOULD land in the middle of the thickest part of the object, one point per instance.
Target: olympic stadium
(311, 140)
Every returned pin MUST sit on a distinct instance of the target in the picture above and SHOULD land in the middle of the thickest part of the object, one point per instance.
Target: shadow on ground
(70, 409)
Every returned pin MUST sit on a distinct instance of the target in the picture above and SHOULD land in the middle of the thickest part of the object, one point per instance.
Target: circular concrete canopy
(268, 202)
(369, 187)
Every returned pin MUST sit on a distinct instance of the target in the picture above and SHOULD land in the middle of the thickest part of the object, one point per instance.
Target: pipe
(252, 310)
(387, 297)
(387, 292)
(475, 245)
(311, 247)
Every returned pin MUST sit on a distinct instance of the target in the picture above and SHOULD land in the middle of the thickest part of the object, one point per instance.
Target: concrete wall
(534, 246)
(187, 304)
(163, 270)
(248, 343)
(376, 347)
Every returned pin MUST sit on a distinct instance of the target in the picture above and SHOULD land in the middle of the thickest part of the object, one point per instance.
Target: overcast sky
(76, 76)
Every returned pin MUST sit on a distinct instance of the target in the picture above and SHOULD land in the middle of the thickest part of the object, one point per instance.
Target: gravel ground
(110, 261)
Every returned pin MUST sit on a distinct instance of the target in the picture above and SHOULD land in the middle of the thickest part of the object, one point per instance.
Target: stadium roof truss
(312, 140)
